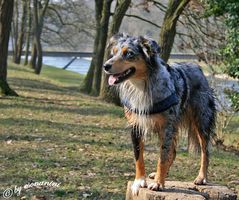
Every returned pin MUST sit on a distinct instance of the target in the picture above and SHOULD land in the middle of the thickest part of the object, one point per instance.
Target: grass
(54, 133)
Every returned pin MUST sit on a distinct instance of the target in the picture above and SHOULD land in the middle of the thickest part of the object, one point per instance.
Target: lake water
(80, 65)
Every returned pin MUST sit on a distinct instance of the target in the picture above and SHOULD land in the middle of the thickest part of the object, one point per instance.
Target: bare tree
(92, 81)
(108, 93)
(39, 11)
(28, 31)
(69, 24)
(14, 31)
(205, 34)
(21, 33)
(168, 28)
(104, 24)
(6, 12)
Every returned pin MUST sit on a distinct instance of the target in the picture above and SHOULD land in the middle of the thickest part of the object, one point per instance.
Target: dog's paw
(154, 186)
(152, 175)
(138, 183)
(200, 181)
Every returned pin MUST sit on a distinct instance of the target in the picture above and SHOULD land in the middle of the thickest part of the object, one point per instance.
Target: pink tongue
(111, 80)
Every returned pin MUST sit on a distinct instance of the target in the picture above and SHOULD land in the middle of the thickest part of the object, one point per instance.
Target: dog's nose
(107, 67)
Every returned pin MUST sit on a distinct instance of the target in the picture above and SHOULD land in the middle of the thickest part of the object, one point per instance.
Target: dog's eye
(130, 54)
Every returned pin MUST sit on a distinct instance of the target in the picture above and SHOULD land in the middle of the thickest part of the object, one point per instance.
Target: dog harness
(163, 105)
(157, 107)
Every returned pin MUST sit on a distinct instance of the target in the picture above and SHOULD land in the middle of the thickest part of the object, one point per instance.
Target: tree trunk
(21, 33)
(39, 54)
(107, 92)
(38, 16)
(168, 29)
(87, 84)
(28, 32)
(6, 11)
(33, 59)
(104, 23)
(15, 30)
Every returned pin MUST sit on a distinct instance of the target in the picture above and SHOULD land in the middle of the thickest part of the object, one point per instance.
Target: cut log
(177, 190)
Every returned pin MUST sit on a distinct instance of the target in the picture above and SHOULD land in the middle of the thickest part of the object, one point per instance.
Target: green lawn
(52, 132)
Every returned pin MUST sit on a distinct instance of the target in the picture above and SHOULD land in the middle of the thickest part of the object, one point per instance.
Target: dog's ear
(114, 39)
(149, 46)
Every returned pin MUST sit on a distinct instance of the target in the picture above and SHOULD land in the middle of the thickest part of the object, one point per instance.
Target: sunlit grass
(54, 133)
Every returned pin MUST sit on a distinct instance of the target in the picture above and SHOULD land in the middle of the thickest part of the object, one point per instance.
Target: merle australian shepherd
(159, 99)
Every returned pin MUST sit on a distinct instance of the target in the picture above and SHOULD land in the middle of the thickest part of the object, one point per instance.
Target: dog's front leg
(138, 146)
(167, 155)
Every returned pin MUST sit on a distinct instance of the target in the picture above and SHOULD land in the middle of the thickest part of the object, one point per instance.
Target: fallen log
(177, 190)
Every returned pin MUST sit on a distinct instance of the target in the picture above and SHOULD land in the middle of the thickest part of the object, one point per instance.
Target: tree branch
(160, 5)
(143, 19)
(156, 25)
(60, 18)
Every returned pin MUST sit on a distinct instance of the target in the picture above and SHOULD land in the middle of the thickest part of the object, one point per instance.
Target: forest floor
(52, 132)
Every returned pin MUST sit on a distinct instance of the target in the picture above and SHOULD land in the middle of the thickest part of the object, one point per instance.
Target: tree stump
(176, 190)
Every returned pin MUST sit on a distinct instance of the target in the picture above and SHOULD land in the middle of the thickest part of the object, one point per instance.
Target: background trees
(167, 33)
(74, 25)
(18, 29)
(230, 50)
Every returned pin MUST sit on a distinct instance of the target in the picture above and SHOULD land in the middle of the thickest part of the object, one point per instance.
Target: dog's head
(130, 58)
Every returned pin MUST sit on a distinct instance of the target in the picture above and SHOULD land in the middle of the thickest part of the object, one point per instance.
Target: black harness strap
(185, 93)
(165, 104)
(157, 107)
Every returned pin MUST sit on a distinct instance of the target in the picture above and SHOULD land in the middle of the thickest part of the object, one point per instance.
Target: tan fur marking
(115, 50)
(162, 170)
(204, 158)
(159, 121)
(141, 69)
(124, 49)
(139, 164)
(163, 166)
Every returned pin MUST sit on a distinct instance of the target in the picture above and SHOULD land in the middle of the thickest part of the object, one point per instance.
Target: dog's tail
(193, 143)
(190, 139)
(193, 130)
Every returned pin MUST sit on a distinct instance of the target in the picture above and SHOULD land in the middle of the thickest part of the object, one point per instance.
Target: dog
(159, 99)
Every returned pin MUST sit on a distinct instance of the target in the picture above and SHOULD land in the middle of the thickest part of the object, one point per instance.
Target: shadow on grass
(21, 69)
(56, 130)
(35, 85)
(57, 125)
(87, 110)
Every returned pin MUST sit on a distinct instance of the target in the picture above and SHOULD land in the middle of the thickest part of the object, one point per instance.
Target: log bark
(176, 190)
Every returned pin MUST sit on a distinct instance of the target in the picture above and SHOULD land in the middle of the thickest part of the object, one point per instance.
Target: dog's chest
(139, 100)
(147, 123)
